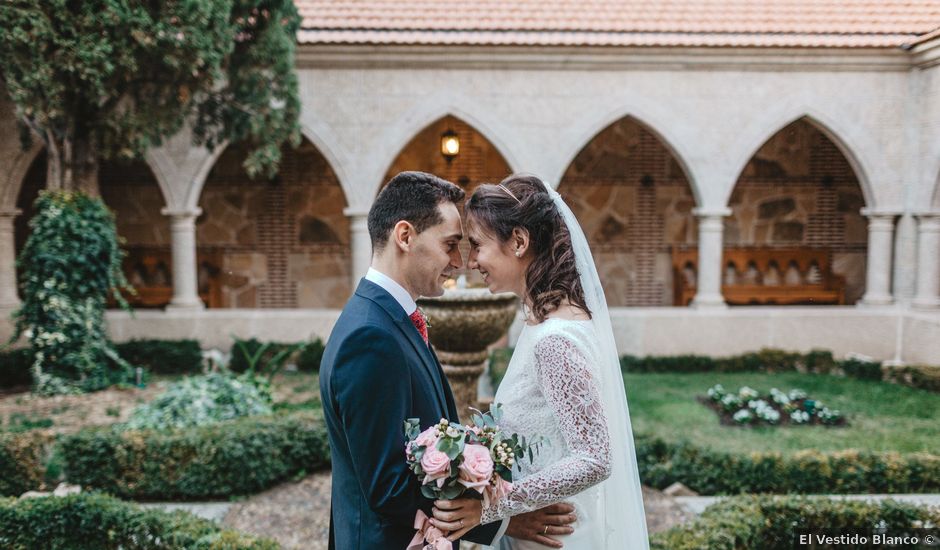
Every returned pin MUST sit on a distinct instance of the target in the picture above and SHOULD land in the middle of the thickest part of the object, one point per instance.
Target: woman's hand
(456, 517)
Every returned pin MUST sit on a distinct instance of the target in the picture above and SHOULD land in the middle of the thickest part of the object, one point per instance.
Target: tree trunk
(85, 167)
(72, 165)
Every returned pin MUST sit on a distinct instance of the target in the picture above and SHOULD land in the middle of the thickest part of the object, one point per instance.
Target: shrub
(91, 521)
(163, 356)
(202, 400)
(263, 357)
(916, 376)
(769, 523)
(70, 263)
(217, 461)
(309, 358)
(22, 461)
(720, 473)
(15, 368)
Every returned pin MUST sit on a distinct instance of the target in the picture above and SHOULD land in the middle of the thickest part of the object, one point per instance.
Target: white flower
(800, 417)
(796, 394)
(748, 393)
(452, 431)
(742, 416)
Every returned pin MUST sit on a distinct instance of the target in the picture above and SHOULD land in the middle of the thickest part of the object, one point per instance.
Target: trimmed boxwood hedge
(769, 523)
(23, 461)
(774, 360)
(91, 521)
(163, 356)
(15, 368)
(710, 472)
(239, 457)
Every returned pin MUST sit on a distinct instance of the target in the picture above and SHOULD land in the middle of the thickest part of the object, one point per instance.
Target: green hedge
(232, 458)
(23, 459)
(15, 368)
(163, 356)
(775, 360)
(91, 521)
(769, 523)
(710, 472)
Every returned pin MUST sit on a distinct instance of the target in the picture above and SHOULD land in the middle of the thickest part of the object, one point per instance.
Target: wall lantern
(450, 145)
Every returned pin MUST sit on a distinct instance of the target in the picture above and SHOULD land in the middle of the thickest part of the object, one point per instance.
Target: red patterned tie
(418, 320)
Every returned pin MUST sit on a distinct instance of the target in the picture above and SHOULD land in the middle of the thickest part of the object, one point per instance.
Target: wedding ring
(461, 524)
(546, 530)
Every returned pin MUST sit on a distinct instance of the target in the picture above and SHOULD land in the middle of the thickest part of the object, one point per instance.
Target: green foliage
(90, 521)
(202, 400)
(15, 368)
(268, 358)
(712, 472)
(163, 356)
(22, 461)
(19, 422)
(123, 75)
(217, 461)
(308, 360)
(769, 523)
(70, 263)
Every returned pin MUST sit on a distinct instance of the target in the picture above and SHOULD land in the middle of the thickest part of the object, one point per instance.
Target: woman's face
(502, 270)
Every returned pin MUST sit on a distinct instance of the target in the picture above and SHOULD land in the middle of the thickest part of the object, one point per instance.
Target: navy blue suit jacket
(375, 373)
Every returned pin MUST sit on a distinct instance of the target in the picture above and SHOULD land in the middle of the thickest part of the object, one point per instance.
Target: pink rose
(436, 465)
(428, 437)
(496, 491)
(476, 468)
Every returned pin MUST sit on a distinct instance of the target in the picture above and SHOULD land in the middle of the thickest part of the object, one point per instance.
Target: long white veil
(621, 494)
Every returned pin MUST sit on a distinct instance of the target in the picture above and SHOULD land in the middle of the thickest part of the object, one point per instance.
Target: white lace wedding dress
(551, 389)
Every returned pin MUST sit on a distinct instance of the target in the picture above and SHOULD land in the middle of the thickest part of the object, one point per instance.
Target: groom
(378, 370)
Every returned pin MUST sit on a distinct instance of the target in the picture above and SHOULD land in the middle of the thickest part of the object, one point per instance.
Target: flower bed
(91, 521)
(749, 407)
(769, 523)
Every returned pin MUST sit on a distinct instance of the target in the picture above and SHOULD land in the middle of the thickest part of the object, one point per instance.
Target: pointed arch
(850, 144)
(655, 122)
(321, 138)
(398, 136)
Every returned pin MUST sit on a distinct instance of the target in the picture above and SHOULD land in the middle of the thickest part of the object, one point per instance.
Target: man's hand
(538, 525)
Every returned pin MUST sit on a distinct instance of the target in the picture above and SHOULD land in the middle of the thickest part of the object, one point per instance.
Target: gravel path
(296, 514)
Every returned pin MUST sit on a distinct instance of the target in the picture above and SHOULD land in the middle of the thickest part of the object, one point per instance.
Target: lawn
(881, 416)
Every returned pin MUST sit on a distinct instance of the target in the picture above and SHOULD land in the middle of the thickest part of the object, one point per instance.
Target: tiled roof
(770, 23)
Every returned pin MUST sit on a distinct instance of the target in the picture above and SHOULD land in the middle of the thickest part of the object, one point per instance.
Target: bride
(564, 379)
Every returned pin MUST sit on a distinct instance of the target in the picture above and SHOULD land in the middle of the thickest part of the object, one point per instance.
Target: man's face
(435, 255)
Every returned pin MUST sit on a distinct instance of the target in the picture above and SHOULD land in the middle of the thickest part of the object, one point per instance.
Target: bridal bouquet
(453, 460)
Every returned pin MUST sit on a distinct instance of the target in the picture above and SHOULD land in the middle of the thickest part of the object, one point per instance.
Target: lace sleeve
(571, 390)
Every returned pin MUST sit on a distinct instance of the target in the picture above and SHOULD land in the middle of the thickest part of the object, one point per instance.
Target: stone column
(183, 238)
(710, 249)
(880, 245)
(9, 299)
(360, 243)
(928, 260)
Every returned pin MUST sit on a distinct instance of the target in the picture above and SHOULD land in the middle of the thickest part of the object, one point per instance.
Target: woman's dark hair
(523, 201)
(412, 197)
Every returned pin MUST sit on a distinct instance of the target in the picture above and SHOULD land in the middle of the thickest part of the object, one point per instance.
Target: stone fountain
(463, 323)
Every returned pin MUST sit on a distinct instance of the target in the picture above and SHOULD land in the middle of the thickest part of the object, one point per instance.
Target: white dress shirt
(396, 290)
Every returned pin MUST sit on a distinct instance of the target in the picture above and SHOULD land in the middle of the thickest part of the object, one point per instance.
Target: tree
(111, 78)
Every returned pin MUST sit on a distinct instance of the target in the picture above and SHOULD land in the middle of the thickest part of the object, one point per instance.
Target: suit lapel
(373, 292)
(448, 393)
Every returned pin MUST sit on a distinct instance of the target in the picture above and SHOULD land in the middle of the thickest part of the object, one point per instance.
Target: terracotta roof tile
(780, 23)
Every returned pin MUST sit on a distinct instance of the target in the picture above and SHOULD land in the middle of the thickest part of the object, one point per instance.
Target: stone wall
(634, 203)
(279, 243)
(799, 191)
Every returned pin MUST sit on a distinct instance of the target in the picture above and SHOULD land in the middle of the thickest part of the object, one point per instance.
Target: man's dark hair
(412, 197)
